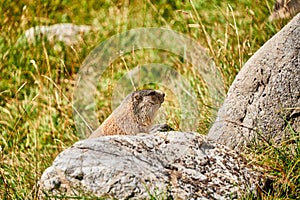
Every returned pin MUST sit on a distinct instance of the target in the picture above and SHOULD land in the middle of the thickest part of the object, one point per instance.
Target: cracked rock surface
(265, 96)
(180, 165)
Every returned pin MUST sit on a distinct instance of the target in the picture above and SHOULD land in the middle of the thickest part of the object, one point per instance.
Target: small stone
(67, 33)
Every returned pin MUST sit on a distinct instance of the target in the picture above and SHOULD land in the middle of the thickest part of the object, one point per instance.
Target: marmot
(134, 115)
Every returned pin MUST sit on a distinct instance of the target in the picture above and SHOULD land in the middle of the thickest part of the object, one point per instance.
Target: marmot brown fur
(134, 115)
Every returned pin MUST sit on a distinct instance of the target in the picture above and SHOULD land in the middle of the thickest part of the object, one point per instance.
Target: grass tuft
(37, 80)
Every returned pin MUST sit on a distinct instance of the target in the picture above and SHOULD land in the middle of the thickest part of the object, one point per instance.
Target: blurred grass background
(37, 80)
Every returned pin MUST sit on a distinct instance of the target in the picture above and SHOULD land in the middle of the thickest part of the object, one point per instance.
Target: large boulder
(172, 164)
(264, 99)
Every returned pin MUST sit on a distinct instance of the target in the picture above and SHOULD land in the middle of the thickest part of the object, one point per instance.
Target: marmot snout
(134, 115)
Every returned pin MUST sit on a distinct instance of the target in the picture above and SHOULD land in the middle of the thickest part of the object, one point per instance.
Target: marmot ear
(137, 96)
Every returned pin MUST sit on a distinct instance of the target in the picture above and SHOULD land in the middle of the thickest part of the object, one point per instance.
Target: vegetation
(37, 80)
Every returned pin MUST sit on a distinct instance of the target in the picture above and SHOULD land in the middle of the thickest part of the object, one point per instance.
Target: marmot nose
(160, 92)
(161, 95)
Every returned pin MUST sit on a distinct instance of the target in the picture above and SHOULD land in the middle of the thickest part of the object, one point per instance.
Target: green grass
(280, 163)
(37, 81)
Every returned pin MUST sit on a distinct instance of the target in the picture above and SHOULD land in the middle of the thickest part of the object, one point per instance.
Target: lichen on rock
(180, 165)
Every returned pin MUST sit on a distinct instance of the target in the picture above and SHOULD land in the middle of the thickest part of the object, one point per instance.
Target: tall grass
(37, 80)
(280, 164)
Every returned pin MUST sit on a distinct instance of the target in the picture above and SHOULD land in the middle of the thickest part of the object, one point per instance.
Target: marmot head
(145, 104)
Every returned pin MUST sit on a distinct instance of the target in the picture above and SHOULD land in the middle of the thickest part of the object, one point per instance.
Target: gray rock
(265, 94)
(172, 164)
(67, 33)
